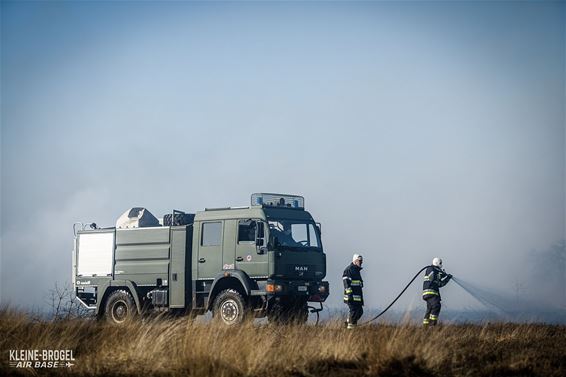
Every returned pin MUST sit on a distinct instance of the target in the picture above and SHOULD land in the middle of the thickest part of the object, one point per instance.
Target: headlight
(272, 288)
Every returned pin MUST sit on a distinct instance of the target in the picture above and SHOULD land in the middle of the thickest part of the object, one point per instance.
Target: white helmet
(437, 262)
(355, 257)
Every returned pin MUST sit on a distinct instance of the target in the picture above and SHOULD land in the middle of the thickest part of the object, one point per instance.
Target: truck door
(229, 244)
(247, 257)
(210, 249)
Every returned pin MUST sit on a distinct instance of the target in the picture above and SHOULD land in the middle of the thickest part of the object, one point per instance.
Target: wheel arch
(114, 286)
(229, 279)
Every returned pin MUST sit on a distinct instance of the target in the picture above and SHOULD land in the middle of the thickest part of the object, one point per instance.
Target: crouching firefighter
(353, 285)
(435, 277)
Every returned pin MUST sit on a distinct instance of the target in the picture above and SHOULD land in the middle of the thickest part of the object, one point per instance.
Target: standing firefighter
(435, 277)
(353, 295)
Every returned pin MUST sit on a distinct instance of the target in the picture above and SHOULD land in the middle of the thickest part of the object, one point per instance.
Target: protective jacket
(353, 285)
(434, 279)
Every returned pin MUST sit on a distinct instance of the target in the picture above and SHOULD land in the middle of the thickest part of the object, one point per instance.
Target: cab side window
(211, 234)
(246, 231)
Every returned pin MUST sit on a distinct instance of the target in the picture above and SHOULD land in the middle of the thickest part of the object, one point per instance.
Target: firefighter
(435, 277)
(353, 285)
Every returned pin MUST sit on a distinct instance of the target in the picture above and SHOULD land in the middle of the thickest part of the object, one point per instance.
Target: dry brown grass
(175, 347)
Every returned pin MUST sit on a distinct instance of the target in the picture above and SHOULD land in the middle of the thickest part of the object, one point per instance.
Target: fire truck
(262, 260)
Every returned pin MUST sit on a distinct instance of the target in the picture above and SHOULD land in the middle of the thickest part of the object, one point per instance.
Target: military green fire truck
(238, 262)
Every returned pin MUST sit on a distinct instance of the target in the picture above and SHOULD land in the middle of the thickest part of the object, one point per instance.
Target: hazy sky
(414, 129)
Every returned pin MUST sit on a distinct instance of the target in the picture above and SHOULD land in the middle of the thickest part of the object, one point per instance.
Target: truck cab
(274, 243)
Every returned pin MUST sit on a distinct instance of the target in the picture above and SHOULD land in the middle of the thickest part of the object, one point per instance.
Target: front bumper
(316, 291)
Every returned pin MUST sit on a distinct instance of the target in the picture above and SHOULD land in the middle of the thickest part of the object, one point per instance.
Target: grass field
(177, 347)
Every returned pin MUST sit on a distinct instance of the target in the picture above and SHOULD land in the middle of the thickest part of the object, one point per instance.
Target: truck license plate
(302, 288)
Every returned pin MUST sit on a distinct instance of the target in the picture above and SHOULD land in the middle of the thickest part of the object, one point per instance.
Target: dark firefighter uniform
(353, 295)
(433, 280)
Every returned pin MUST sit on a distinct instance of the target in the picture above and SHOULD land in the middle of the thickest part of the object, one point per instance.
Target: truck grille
(301, 270)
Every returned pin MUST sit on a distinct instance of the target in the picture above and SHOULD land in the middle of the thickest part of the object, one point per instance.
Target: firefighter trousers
(432, 310)
(356, 311)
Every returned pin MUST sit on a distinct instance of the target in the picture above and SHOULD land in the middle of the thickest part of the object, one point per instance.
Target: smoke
(547, 278)
(39, 252)
(459, 156)
(537, 291)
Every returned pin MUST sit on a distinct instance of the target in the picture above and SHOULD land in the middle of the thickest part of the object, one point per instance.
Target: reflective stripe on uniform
(346, 298)
(430, 292)
(433, 317)
(346, 278)
(357, 298)
(348, 291)
(425, 321)
(356, 283)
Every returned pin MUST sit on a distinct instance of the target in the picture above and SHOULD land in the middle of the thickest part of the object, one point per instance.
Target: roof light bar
(278, 200)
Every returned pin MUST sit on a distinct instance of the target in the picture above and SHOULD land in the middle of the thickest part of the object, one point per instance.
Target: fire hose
(396, 298)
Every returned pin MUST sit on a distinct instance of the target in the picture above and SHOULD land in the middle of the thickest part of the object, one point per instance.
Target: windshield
(293, 235)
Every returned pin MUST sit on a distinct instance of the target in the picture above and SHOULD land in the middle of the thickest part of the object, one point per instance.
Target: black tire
(295, 313)
(120, 307)
(276, 315)
(300, 314)
(229, 308)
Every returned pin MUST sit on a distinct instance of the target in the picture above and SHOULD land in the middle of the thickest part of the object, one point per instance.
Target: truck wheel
(120, 307)
(289, 314)
(276, 314)
(301, 314)
(229, 307)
